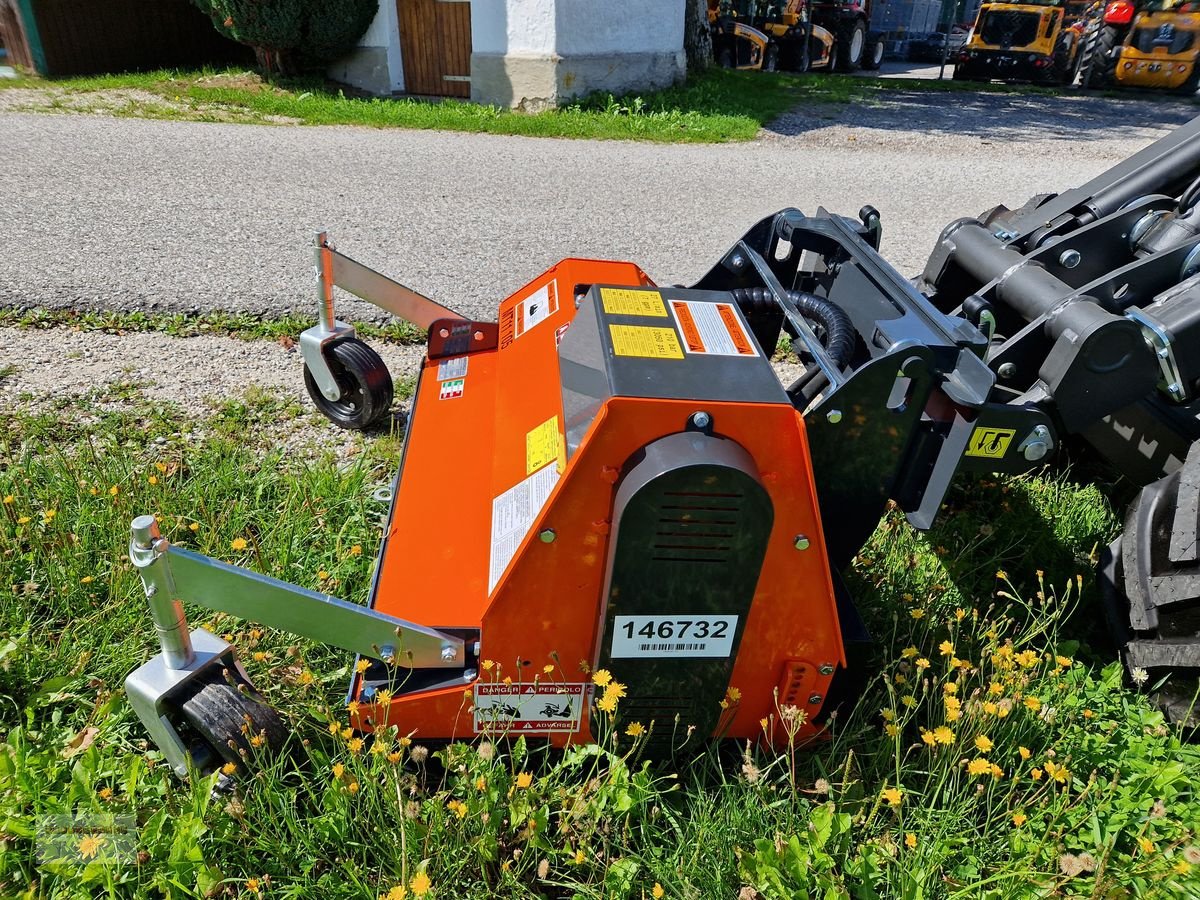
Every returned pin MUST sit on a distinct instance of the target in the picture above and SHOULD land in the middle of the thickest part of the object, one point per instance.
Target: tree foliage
(289, 36)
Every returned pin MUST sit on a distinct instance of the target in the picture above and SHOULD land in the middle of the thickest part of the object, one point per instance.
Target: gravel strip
(137, 214)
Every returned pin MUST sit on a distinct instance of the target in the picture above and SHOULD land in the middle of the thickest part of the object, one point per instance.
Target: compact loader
(1040, 41)
(611, 475)
(1147, 45)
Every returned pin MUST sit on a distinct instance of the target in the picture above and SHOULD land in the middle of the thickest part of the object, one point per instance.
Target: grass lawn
(996, 754)
(715, 106)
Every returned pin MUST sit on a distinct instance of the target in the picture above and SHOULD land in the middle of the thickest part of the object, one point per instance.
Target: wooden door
(435, 45)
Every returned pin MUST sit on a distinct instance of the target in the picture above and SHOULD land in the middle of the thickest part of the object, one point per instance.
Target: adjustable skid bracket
(171, 575)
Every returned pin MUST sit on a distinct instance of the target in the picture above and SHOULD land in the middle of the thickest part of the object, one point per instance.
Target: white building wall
(375, 65)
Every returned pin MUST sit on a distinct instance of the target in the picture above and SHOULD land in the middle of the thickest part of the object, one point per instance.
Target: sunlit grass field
(997, 752)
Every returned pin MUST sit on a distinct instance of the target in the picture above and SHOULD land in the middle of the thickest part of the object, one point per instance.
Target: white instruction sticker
(673, 636)
(712, 328)
(456, 367)
(513, 513)
(537, 307)
(525, 708)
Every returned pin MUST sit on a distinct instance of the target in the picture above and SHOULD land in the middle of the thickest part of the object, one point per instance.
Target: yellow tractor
(796, 35)
(1154, 46)
(738, 44)
(1035, 42)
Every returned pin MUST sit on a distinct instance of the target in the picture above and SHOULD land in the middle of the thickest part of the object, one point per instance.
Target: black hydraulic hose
(839, 330)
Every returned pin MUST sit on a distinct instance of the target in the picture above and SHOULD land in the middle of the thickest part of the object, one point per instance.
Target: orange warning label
(713, 328)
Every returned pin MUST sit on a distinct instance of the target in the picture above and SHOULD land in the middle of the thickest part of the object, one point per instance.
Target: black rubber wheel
(771, 59)
(1101, 69)
(365, 383)
(725, 58)
(1150, 580)
(1189, 87)
(873, 57)
(227, 717)
(851, 42)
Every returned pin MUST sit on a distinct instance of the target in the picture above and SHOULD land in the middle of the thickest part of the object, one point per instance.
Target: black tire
(1150, 578)
(771, 59)
(1189, 87)
(873, 55)
(364, 380)
(227, 717)
(725, 58)
(851, 42)
(1062, 70)
(1101, 69)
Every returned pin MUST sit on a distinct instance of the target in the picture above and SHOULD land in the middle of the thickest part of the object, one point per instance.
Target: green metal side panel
(29, 23)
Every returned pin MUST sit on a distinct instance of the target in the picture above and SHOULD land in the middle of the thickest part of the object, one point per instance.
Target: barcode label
(673, 636)
(671, 648)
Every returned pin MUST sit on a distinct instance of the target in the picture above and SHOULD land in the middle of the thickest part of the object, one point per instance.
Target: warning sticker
(642, 340)
(452, 389)
(455, 367)
(712, 328)
(629, 302)
(990, 443)
(545, 444)
(537, 307)
(673, 636)
(513, 513)
(528, 707)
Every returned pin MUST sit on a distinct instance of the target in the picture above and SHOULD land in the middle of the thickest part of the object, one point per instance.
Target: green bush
(291, 36)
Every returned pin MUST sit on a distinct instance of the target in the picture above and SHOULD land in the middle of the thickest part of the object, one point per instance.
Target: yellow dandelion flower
(579, 858)
(1035, 773)
(507, 679)
(733, 693)
(1183, 867)
(997, 772)
(354, 745)
(1027, 659)
(259, 656)
(983, 743)
(105, 793)
(524, 780)
(347, 733)
(9, 499)
(488, 664)
(900, 679)
(547, 669)
(978, 766)
(917, 613)
(338, 769)
(1019, 819)
(1146, 844)
(909, 652)
(153, 479)
(1024, 752)
(1063, 661)
(379, 748)
(356, 550)
(1087, 714)
(922, 663)
(960, 614)
(764, 722)
(238, 544)
(334, 727)
(617, 690)
(420, 884)
(891, 729)
(950, 688)
(257, 741)
(657, 891)
(481, 783)
(23, 520)
(48, 515)
(458, 808)
(394, 757)
(1033, 704)
(229, 768)
(928, 737)
(889, 715)
(989, 707)
(946, 648)
(306, 677)
(399, 892)
(322, 575)
(352, 787)
(893, 796)
(607, 703)
(352, 707)
(910, 841)
(637, 729)
(601, 677)
(253, 885)
(114, 490)
(995, 689)
(1002, 575)
(89, 845)
(86, 579)
(362, 665)
(195, 526)
(943, 735)
(909, 700)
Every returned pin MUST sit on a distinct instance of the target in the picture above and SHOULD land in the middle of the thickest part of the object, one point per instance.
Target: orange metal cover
(471, 442)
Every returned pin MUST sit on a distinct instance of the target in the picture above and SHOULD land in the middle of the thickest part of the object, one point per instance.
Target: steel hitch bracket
(171, 576)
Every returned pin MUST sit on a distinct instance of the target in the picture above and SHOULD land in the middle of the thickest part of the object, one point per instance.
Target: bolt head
(826, 669)
(1069, 259)
(449, 653)
(701, 420)
(801, 542)
(547, 535)
(815, 699)
(833, 416)
(1007, 370)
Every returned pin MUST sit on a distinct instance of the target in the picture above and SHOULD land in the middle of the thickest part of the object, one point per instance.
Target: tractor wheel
(851, 42)
(1150, 577)
(228, 715)
(365, 383)
(725, 58)
(1101, 69)
(873, 56)
(1062, 69)
(1189, 87)
(771, 59)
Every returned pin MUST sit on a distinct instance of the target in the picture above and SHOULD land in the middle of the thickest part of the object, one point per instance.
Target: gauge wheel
(364, 381)
(233, 719)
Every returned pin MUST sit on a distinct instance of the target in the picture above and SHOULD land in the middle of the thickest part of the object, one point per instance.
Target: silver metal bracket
(1157, 338)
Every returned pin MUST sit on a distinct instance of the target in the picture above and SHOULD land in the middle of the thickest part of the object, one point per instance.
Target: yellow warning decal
(642, 340)
(990, 443)
(545, 444)
(632, 302)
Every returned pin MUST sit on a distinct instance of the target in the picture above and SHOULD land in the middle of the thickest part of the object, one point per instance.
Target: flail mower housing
(612, 475)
